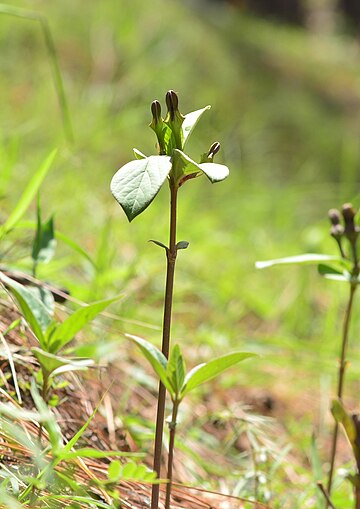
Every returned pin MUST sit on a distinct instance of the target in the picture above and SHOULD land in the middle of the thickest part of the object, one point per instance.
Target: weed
(135, 186)
(343, 268)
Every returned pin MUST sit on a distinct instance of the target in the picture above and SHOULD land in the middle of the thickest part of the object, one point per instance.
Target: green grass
(280, 101)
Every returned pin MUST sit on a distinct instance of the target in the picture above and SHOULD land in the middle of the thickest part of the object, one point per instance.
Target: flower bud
(156, 111)
(172, 102)
(349, 213)
(214, 149)
(337, 231)
(334, 216)
(174, 119)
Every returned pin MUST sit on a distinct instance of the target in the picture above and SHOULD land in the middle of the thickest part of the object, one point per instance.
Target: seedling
(136, 185)
(51, 334)
(343, 268)
(173, 376)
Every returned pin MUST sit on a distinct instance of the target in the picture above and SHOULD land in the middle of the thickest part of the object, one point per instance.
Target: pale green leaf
(215, 172)
(176, 369)
(34, 311)
(137, 183)
(209, 370)
(138, 154)
(66, 331)
(28, 195)
(87, 452)
(304, 259)
(157, 360)
(342, 417)
(190, 121)
(55, 365)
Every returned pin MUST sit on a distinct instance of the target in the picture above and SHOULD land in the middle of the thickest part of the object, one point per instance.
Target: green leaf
(55, 365)
(176, 370)
(215, 172)
(183, 244)
(183, 164)
(137, 183)
(129, 471)
(190, 121)
(342, 417)
(87, 452)
(45, 296)
(34, 311)
(309, 258)
(28, 195)
(66, 331)
(44, 243)
(64, 238)
(329, 272)
(209, 370)
(157, 360)
(138, 154)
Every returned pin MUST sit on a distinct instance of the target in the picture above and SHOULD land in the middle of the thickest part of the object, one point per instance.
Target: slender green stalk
(172, 429)
(341, 379)
(171, 253)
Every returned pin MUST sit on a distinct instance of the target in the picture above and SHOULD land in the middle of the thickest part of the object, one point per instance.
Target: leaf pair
(172, 372)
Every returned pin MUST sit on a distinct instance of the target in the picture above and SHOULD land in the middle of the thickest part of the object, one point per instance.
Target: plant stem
(341, 378)
(357, 497)
(172, 428)
(169, 288)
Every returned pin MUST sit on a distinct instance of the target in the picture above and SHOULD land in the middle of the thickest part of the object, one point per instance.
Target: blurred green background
(284, 86)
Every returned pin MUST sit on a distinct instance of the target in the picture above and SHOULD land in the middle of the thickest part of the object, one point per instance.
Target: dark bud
(334, 216)
(172, 102)
(156, 111)
(214, 149)
(349, 213)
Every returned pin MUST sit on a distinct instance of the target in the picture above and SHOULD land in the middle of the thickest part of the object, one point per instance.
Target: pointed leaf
(190, 121)
(45, 296)
(215, 172)
(157, 360)
(67, 330)
(28, 195)
(137, 183)
(183, 244)
(342, 417)
(183, 164)
(176, 370)
(54, 364)
(34, 311)
(138, 154)
(44, 243)
(308, 258)
(209, 370)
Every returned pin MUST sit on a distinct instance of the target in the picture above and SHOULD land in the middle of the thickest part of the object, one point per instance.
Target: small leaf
(190, 121)
(215, 172)
(34, 311)
(183, 164)
(54, 364)
(207, 371)
(183, 244)
(138, 154)
(137, 183)
(66, 331)
(114, 471)
(157, 359)
(176, 370)
(44, 243)
(28, 195)
(309, 258)
(342, 417)
(160, 244)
